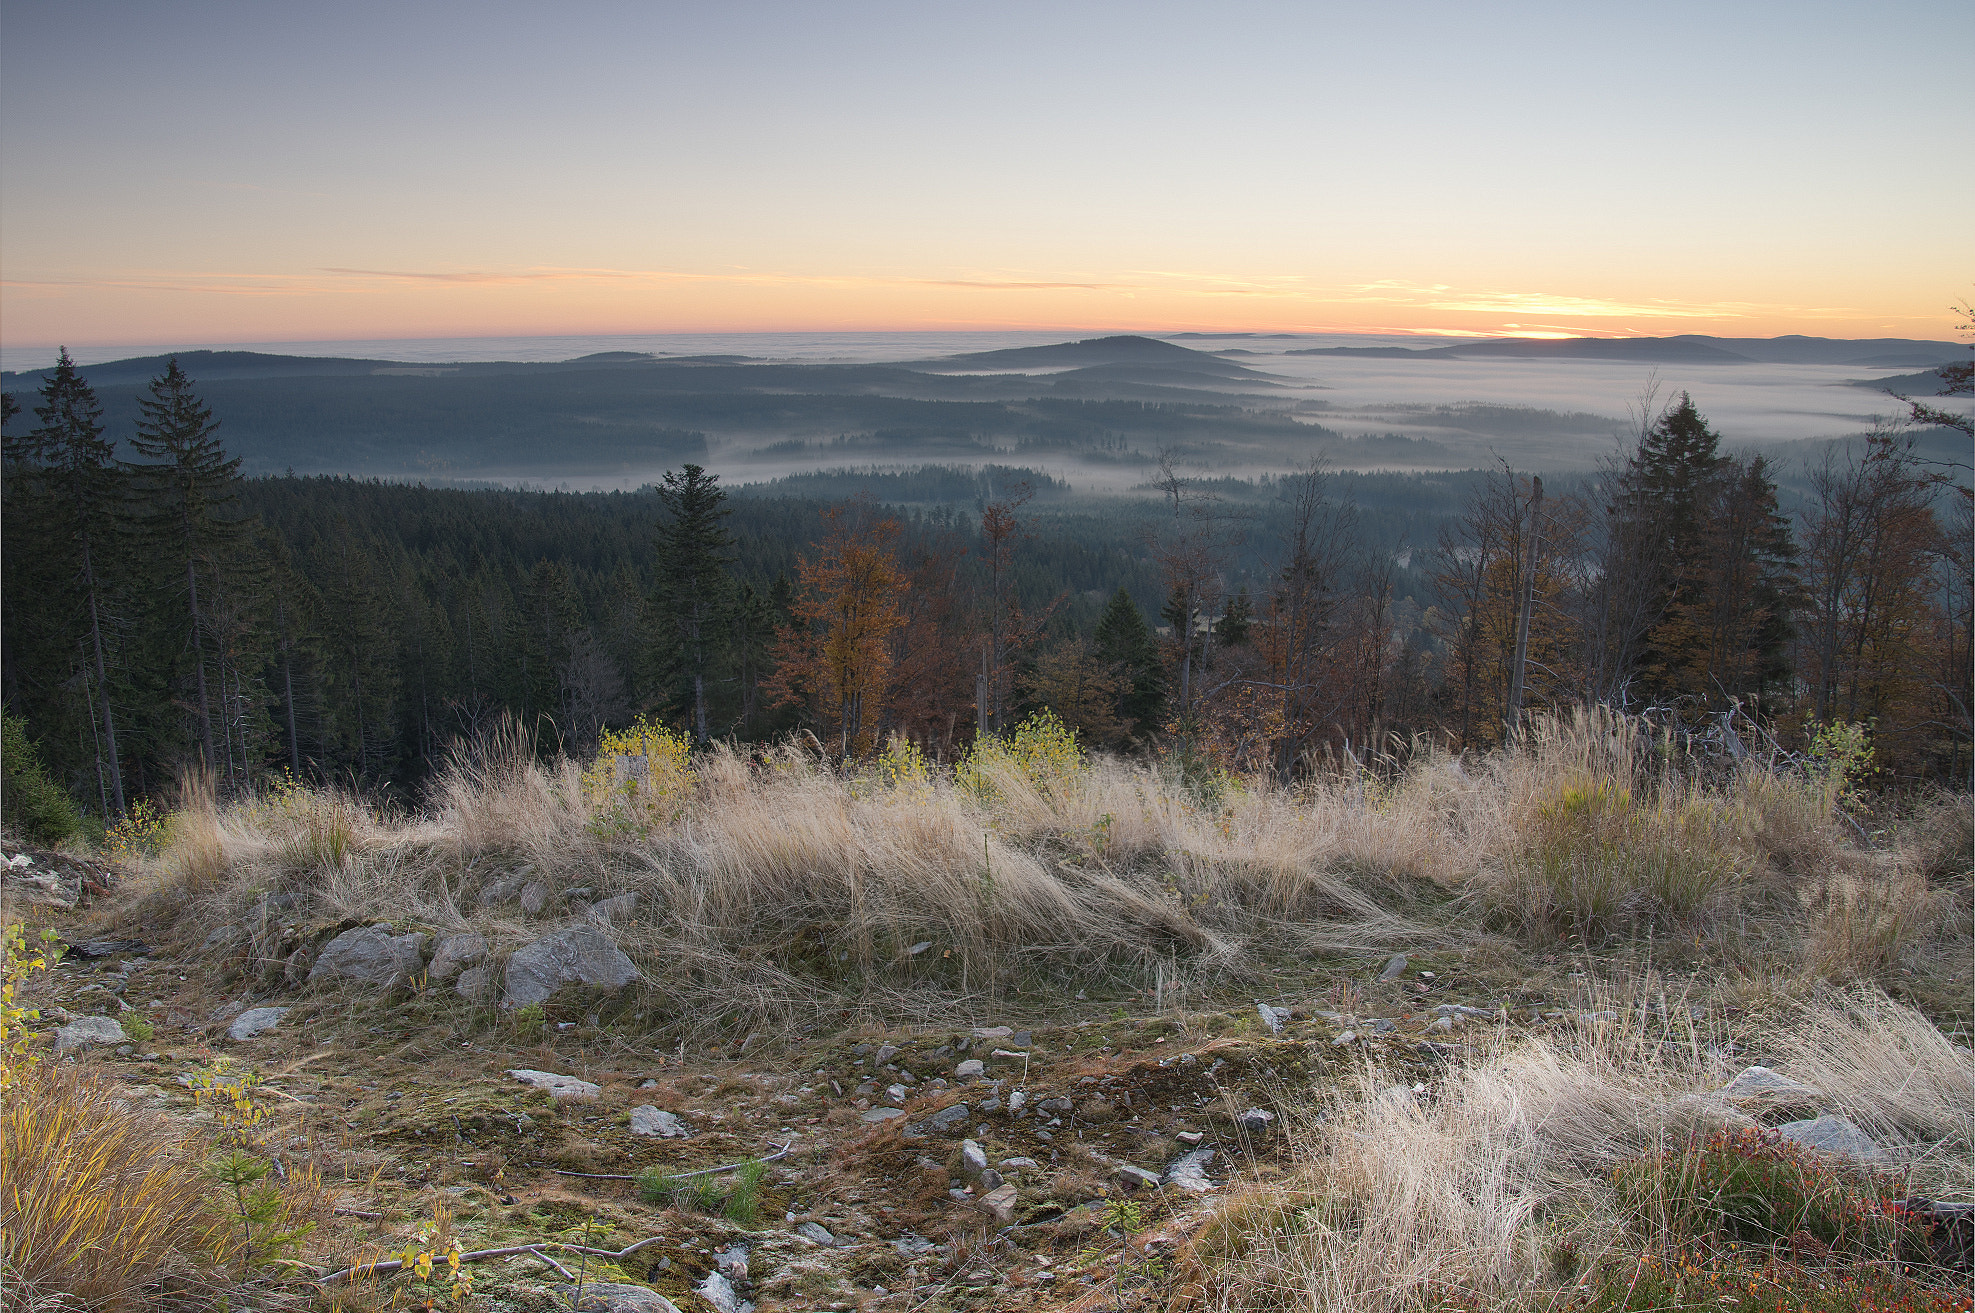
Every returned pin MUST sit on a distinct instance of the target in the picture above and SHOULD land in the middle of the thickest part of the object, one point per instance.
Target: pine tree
(193, 505)
(79, 465)
(693, 582)
(1124, 641)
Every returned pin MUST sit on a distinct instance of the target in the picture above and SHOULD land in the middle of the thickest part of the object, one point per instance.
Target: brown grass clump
(1497, 1187)
(101, 1199)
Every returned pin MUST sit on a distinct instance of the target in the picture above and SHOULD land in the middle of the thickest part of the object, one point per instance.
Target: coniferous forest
(165, 614)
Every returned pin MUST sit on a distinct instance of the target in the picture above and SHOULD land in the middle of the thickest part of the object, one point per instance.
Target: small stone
(896, 1093)
(718, 1291)
(475, 983)
(973, 1158)
(1134, 1178)
(1440, 1023)
(1017, 1164)
(1272, 1017)
(1189, 1137)
(885, 1053)
(620, 908)
(1761, 1086)
(882, 1114)
(991, 1179)
(814, 1231)
(1597, 1018)
(1016, 1100)
(1395, 967)
(998, 1203)
(919, 947)
(534, 897)
(84, 1031)
(1834, 1135)
(1347, 1037)
(558, 1087)
(1255, 1120)
(991, 1032)
(971, 1069)
(1189, 1172)
(649, 1120)
(254, 1021)
(948, 1118)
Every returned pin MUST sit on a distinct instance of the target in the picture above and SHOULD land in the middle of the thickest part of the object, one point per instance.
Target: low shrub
(31, 804)
(1751, 1187)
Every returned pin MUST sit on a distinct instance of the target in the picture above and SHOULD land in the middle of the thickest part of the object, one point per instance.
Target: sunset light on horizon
(249, 173)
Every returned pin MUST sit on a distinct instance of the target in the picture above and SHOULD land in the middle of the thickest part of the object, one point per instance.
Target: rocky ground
(1066, 1158)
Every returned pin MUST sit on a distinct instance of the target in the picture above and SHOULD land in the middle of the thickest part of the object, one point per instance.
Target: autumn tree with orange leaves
(837, 657)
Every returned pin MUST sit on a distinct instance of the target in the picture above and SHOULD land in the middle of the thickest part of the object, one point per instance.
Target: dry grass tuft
(1495, 1188)
(101, 1199)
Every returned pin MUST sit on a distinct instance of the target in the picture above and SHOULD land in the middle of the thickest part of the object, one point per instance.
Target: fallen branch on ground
(782, 1152)
(388, 1266)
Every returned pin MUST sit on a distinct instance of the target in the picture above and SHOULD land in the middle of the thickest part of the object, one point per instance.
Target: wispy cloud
(1439, 296)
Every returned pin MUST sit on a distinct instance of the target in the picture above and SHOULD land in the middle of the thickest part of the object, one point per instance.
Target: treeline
(162, 612)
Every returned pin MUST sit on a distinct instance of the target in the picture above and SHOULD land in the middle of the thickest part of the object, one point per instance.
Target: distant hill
(1684, 349)
(1097, 352)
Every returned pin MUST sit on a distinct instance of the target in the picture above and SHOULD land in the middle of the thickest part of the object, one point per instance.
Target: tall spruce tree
(693, 584)
(1126, 643)
(79, 466)
(193, 506)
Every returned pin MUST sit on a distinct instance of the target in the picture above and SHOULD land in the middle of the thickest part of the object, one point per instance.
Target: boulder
(1133, 1178)
(1255, 1121)
(84, 1031)
(1837, 1136)
(875, 1115)
(647, 1120)
(616, 1297)
(817, 1233)
(558, 1087)
(500, 891)
(456, 953)
(369, 955)
(718, 1291)
(254, 1021)
(476, 983)
(577, 955)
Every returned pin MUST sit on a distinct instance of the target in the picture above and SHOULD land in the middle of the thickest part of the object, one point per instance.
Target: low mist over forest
(1140, 537)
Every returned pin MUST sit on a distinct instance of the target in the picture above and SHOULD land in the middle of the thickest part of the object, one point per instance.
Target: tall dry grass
(1494, 1189)
(766, 883)
(99, 1200)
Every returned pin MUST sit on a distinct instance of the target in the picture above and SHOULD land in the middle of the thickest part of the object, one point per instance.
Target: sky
(277, 171)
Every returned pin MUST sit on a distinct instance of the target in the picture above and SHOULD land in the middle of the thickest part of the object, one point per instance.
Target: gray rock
(1189, 1172)
(1272, 1017)
(456, 953)
(718, 1291)
(885, 1053)
(817, 1233)
(580, 954)
(948, 1118)
(1837, 1136)
(254, 1021)
(875, 1115)
(501, 890)
(476, 983)
(1135, 1178)
(84, 1031)
(998, 1203)
(970, 1069)
(647, 1120)
(1759, 1087)
(369, 955)
(1255, 1120)
(223, 937)
(991, 1033)
(620, 907)
(1395, 967)
(1017, 1164)
(991, 1179)
(973, 1158)
(558, 1087)
(534, 897)
(616, 1297)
